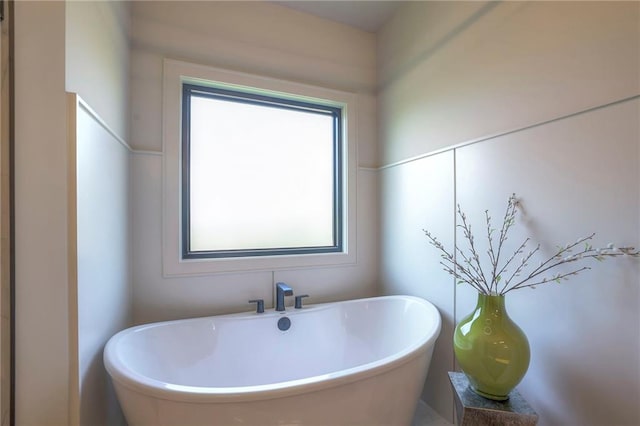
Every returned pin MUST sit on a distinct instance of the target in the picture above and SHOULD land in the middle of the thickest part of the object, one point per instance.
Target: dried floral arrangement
(467, 268)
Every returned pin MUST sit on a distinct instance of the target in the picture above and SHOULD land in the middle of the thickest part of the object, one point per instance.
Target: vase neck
(491, 303)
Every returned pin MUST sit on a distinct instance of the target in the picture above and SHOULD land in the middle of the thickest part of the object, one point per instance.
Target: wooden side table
(474, 410)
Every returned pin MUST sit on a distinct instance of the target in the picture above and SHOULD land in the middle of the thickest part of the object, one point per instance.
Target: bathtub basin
(358, 362)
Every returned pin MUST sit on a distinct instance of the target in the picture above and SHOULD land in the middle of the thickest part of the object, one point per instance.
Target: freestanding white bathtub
(359, 362)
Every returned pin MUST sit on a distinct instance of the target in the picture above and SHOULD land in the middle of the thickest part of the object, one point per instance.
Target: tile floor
(427, 416)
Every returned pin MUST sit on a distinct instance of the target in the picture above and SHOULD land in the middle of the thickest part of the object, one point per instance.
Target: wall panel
(569, 187)
(540, 99)
(484, 68)
(415, 196)
(103, 259)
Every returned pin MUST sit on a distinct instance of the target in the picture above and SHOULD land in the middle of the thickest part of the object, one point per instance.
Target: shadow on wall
(96, 385)
(433, 48)
(438, 376)
(565, 377)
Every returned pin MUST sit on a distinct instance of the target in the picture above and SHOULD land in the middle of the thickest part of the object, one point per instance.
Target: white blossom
(493, 277)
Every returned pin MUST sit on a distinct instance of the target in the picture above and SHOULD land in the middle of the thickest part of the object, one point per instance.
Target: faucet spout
(282, 290)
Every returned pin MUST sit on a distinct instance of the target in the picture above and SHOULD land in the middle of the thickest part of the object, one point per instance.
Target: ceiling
(365, 15)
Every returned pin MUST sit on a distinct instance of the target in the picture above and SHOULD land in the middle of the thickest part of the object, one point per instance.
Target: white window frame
(177, 72)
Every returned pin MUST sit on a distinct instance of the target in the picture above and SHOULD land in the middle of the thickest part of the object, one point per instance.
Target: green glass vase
(492, 351)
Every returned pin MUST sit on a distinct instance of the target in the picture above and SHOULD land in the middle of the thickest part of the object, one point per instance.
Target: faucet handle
(259, 305)
(298, 302)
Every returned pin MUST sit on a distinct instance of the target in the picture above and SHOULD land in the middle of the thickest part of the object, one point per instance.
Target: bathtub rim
(145, 385)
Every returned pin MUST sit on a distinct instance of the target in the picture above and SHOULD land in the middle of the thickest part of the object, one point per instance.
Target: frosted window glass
(260, 177)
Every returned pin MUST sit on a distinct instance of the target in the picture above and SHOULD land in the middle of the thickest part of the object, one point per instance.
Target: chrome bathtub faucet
(282, 290)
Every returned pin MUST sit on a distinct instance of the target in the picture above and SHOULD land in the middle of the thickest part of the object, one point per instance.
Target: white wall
(455, 73)
(242, 36)
(413, 197)
(41, 214)
(103, 281)
(449, 73)
(97, 58)
(55, 51)
(97, 68)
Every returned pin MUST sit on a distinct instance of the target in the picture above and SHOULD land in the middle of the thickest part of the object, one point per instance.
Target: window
(261, 174)
(297, 206)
